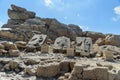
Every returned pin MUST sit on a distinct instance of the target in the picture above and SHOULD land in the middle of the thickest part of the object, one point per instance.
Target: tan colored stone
(30, 71)
(2, 51)
(31, 62)
(70, 52)
(20, 44)
(2, 46)
(76, 73)
(14, 53)
(8, 35)
(88, 74)
(108, 55)
(100, 41)
(111, 75)
(13, 64)
(67, 75)
(61, 78)
(101, 73)
(48, 70)
(9, 45)
(50, 49)
(44, 48)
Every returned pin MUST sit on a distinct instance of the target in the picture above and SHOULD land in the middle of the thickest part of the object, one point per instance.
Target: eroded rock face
(20, 13)
(112, 40)
(24, 23)
(93, 35)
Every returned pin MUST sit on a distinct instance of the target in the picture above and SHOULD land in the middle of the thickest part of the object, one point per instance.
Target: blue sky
(93, 15)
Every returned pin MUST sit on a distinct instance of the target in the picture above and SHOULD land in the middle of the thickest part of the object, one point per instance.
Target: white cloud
(58, 5)
(84, 28)
(117, 12)
(48, 3)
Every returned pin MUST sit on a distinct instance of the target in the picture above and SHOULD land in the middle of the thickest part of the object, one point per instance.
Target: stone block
(44, 48)
(108, 55)
(83, 46)
(70, 52)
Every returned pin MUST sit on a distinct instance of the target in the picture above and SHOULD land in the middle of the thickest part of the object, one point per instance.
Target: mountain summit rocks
(20, 13)
(24, 23)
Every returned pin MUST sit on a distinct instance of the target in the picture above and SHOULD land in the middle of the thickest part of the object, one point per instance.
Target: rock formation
(34, 48)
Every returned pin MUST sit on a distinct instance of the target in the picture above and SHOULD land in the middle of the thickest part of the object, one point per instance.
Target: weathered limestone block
(8, 34)
(14, 53)
(70, 52)
(83, 46)
(48, 70)
(2, 51)
(62, 43)
(30, 71)
(76, 73)
(2, 46)
(108, 55)
(44, 48)
(21, 44)
(37, 40)
(13, 64)
(88, 74)
(6, 67)
(50, 49)
(101, 73)
(9, 45)
(112, 75)
(31, 62)
(95, 73)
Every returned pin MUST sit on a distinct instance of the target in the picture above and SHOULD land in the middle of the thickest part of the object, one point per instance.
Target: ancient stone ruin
(35, 48)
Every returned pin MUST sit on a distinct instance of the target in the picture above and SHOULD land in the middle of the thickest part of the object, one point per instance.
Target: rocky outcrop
(24, 24)
(112, 40)
(93, 35)
(27, 51)
(20, 13)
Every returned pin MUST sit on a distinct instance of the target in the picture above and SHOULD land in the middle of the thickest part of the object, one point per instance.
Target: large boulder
(112, 40)
(21, 44)
(9, 45)
(60, 29)
(14, 53)
(19, 9)
(48, 70)
(20, 13)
